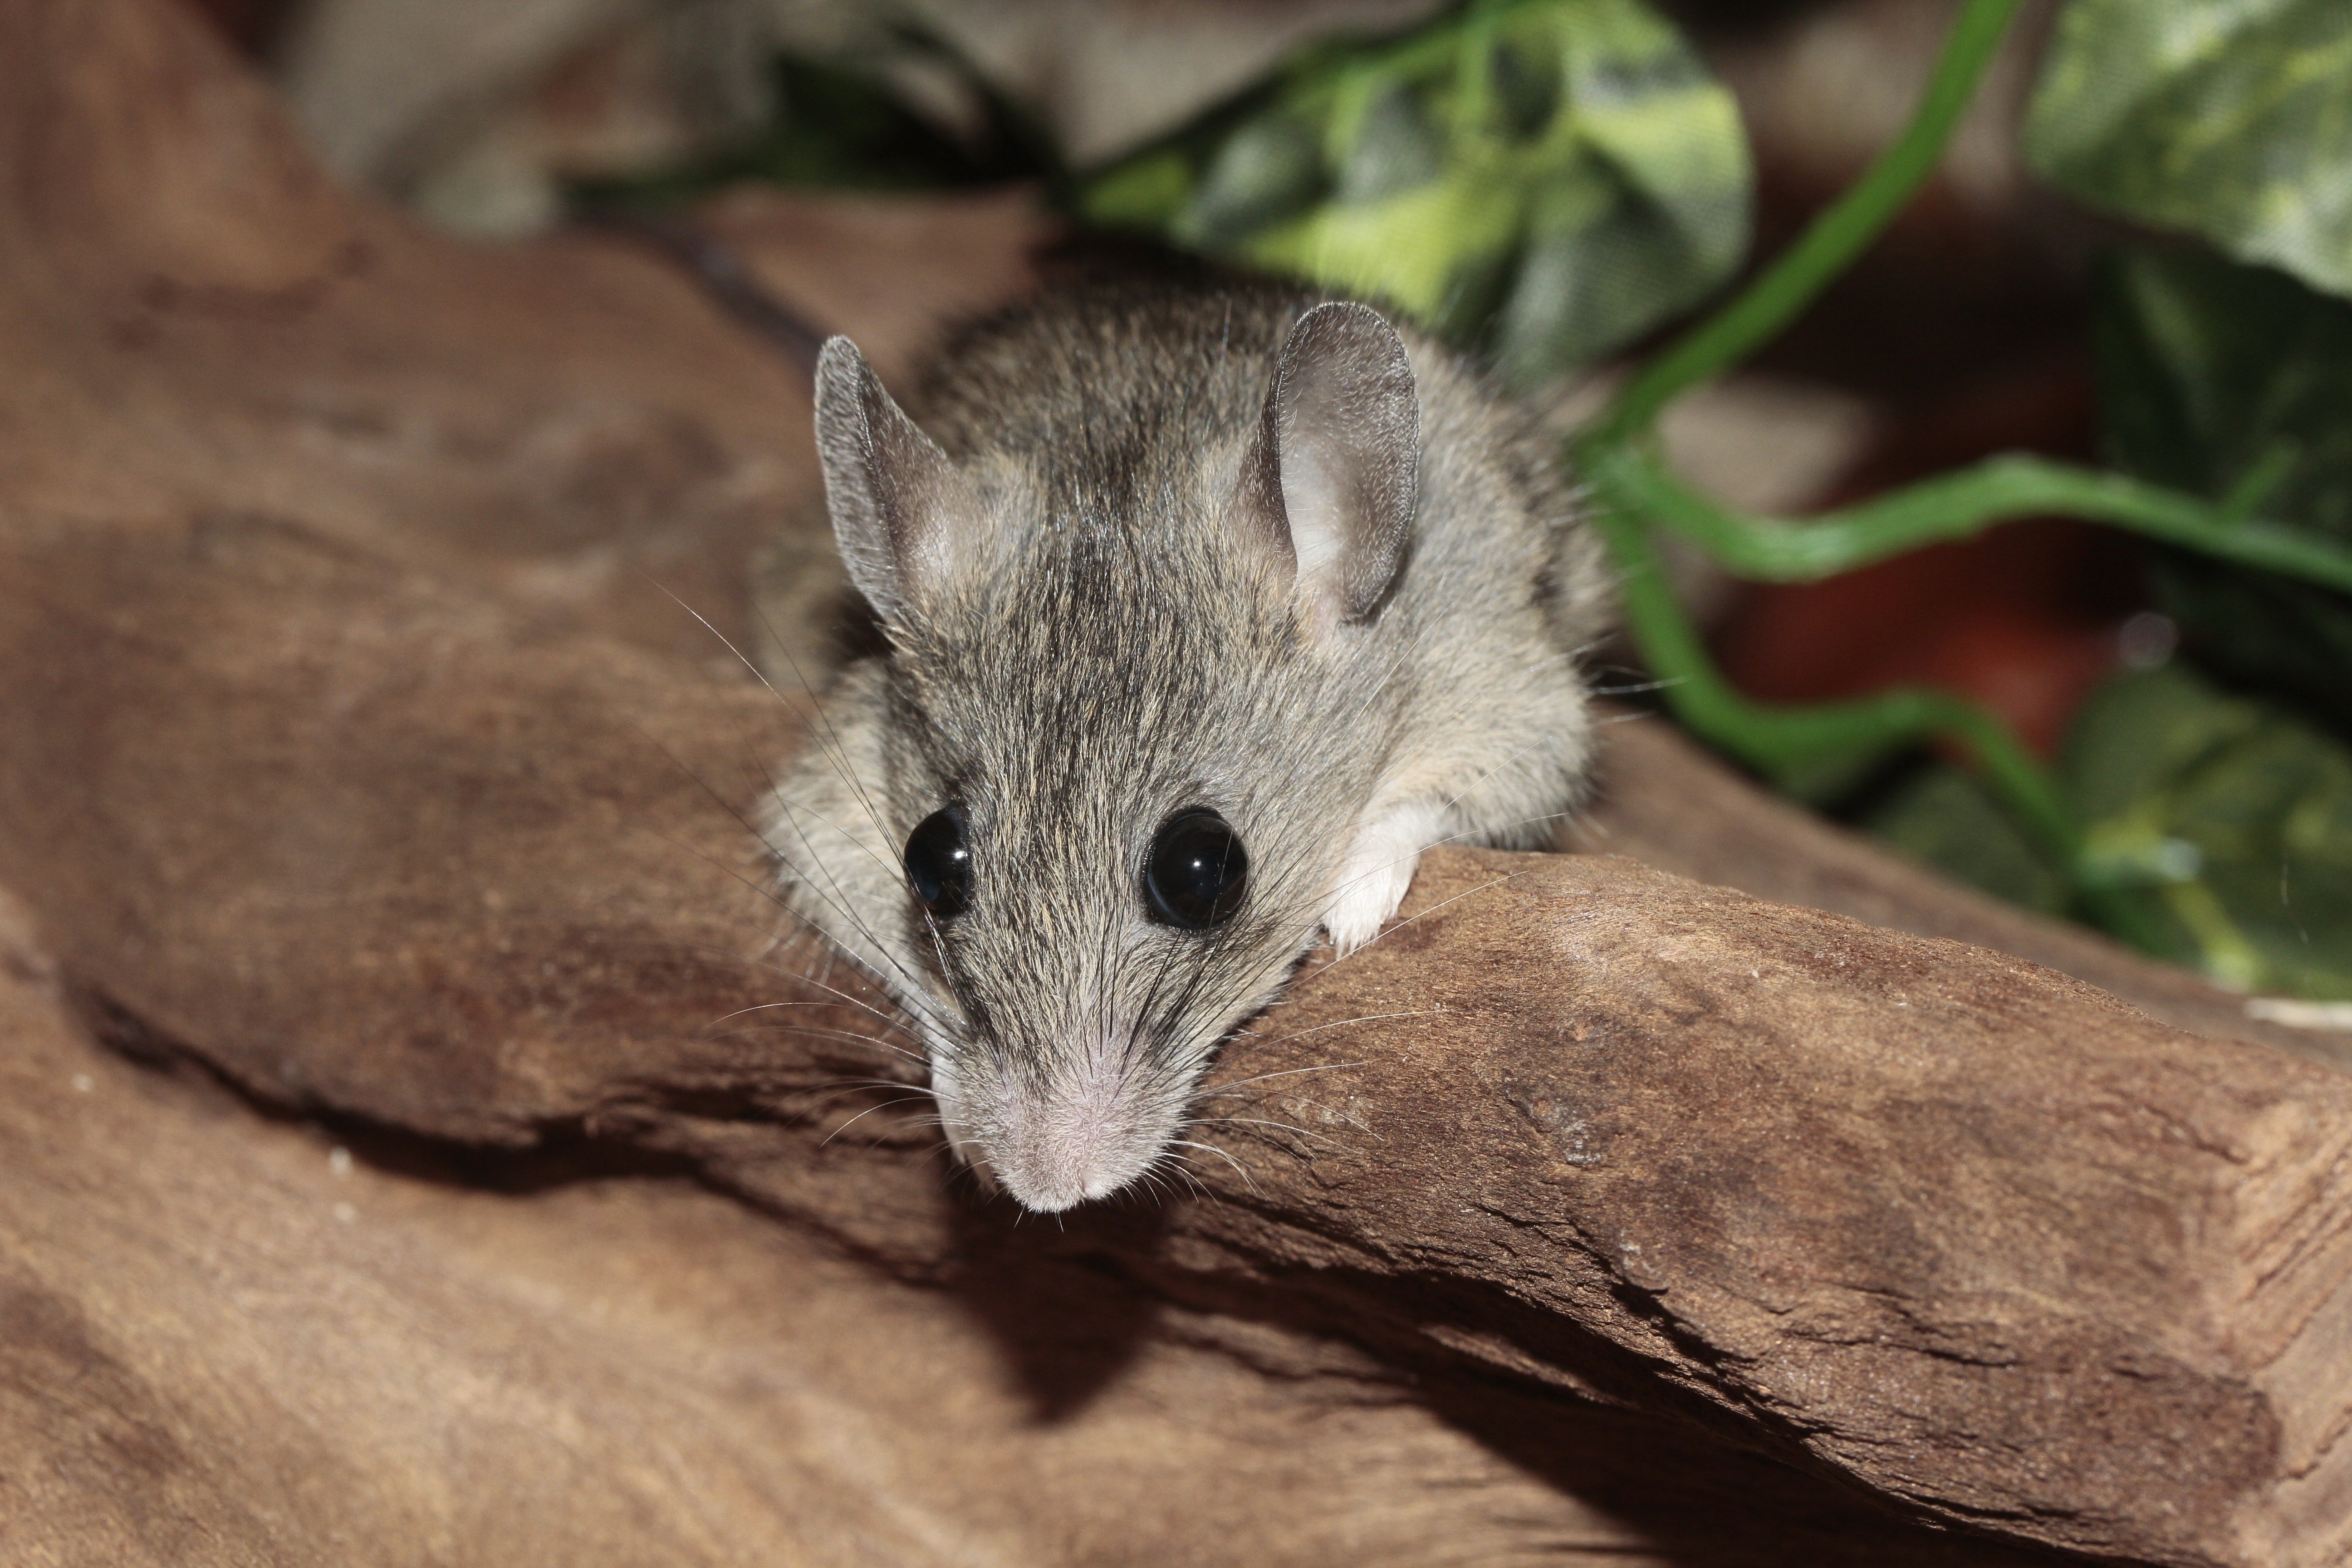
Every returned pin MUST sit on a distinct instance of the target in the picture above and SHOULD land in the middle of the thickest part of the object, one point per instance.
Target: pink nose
(1077, 1136)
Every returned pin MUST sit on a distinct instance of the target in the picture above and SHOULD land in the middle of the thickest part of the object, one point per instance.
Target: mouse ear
(901, 509)
(1330, 477)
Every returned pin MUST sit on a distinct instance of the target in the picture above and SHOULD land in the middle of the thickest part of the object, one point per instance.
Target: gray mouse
(1208, 610)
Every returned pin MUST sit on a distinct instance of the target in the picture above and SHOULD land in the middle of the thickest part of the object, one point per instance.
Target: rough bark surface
(354, 768)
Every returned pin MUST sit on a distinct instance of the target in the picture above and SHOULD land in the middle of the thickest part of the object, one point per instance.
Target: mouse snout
(1082, 1127)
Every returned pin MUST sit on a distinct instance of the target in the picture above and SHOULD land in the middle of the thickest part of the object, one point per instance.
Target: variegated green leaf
(2227, 820)
(2226, 381)
(2231, 119)
(1541, 179)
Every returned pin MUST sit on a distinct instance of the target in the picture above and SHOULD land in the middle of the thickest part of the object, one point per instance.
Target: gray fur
(1129, 635)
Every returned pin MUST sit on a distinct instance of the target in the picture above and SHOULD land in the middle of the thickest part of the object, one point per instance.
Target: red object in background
(2022, 620)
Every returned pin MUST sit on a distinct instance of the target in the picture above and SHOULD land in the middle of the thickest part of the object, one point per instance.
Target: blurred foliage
(843, 124)
(2226, 820)
(2223, 821)
(1942, 815)
(2230, 120)
(2225, 380)
(1544, 181)
(2218, 824)
(1541, 180)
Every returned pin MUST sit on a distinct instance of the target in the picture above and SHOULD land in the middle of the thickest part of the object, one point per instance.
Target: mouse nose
(1076, 1133)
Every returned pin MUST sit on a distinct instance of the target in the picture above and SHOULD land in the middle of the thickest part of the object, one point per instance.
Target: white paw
(1378, 870)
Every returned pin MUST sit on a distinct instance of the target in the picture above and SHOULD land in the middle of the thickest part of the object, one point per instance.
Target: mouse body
(1208, 609)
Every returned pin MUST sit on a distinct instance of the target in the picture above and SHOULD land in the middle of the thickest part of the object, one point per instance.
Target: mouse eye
(1197, 871)
(938, 863)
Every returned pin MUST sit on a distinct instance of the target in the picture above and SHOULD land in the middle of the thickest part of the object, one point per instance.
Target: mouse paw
(1378, 870)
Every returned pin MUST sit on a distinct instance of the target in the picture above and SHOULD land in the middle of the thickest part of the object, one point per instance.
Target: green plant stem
(1795, 744)
(1833, 240)
(1789, 742)
(1953, 506)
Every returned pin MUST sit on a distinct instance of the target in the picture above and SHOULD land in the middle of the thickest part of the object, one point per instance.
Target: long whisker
(835, 900)
(770, 1007)
(1239, 1168)
(775, 794)
(800, 978)
(885, 1105)
(836, 754)
(837, 1091)
(1179, 1166)
(1262, 1121)
(1343, 1023)
(1424, 914)
(750, 1030)
(840, 752)
(1224, 1088)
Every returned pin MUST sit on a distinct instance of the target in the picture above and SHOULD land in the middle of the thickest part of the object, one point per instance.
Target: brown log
(345, 754)
(225, 1341)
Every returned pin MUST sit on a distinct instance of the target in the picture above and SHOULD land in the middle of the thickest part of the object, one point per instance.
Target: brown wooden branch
(348, 752)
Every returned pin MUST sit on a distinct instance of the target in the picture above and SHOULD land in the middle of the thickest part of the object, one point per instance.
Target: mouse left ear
(901, 509)
(1328, 481)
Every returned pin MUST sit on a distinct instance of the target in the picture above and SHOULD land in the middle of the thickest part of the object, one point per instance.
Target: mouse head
(1136, 698)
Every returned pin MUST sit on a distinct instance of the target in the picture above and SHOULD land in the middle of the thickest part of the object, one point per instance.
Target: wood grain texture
(355, 766)
(226, 1344)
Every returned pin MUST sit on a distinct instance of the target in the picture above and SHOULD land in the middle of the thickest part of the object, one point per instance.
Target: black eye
(938, 863)
(1197, 872)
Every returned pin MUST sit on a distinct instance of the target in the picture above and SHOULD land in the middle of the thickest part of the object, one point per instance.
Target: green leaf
(2231, 119)
(1944, 817)
(2226, 822)
(2236, 815)
(1543, 180)
(2232, 381)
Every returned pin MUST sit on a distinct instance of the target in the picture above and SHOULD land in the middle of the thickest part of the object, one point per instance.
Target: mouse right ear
(1329, 479)
(900, 506)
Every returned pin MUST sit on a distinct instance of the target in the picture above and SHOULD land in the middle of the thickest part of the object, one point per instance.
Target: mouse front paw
(1378, 870)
